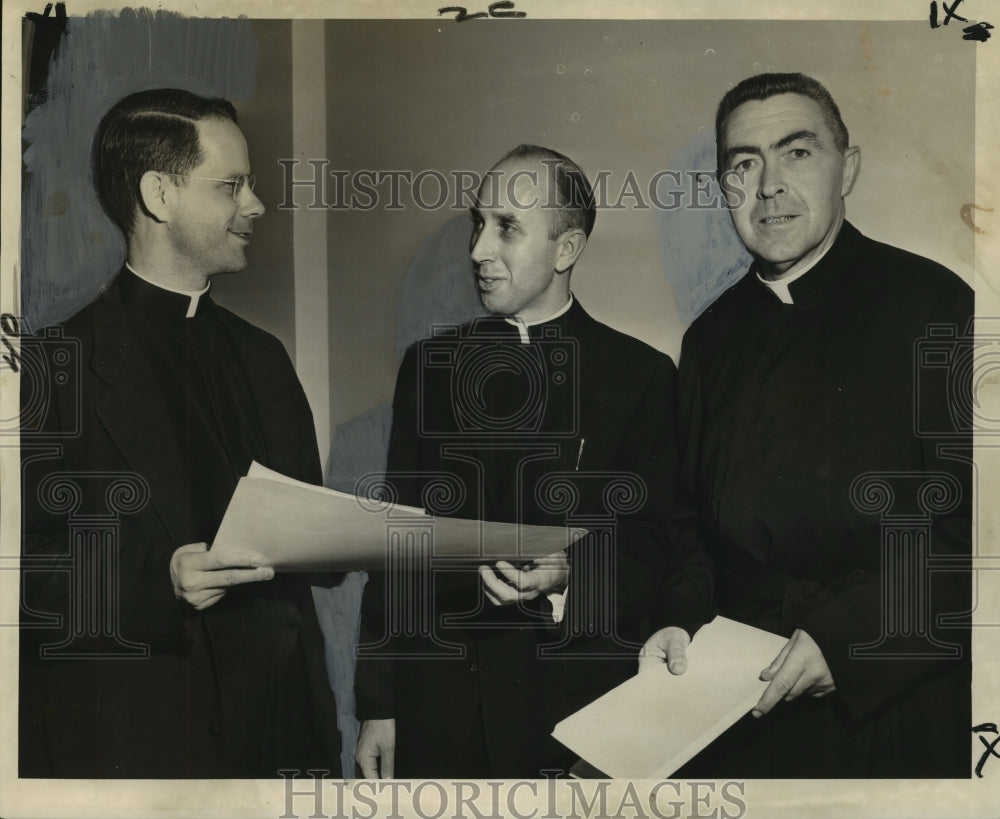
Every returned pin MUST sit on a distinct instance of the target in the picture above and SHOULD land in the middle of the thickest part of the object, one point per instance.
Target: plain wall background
(617, 96)
(418, 95)
(264, 293)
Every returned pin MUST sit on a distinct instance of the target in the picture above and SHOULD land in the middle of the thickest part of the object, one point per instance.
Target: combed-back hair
(575, 205)
(763, 86)
(153, 130)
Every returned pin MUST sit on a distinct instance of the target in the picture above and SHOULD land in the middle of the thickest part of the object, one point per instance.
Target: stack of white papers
(650, 725)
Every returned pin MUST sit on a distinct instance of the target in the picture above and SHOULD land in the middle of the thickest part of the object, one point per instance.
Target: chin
(235, 266)
(492, 305)
(776, 256)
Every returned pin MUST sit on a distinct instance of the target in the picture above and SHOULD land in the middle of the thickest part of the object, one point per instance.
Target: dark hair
(152, 130)
(763, 86)
(574, 195)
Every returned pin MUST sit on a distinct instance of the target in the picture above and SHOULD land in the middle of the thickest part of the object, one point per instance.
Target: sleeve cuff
(558, 601)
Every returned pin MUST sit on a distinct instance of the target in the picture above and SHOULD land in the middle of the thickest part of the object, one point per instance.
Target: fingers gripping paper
(293, 525)
(652, 724)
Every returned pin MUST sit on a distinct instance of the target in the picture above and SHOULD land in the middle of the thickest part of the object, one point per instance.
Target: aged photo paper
(365, 120)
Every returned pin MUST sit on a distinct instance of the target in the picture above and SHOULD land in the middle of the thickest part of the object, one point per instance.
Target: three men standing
(822, 473)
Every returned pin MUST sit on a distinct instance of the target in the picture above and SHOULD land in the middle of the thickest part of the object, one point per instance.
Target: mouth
(776, 220)
(242, 236)
(487, 283)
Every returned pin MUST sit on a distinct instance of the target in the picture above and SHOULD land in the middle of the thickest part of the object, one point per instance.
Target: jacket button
(474, 668)
(215, 730)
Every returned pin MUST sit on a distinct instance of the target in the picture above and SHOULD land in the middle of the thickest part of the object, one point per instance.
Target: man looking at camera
(808, 440)
(206, 666)
(507, 656)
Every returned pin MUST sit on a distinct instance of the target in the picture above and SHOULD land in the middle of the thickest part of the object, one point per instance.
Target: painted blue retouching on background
(702, 255)
(440, 285)
(69, 248)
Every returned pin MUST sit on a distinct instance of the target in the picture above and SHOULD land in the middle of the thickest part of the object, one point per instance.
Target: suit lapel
(272, 403)
(132, 410)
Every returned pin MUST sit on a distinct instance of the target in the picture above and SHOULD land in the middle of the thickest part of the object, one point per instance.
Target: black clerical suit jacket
(576, 427)
(237, 690)
(827, 447)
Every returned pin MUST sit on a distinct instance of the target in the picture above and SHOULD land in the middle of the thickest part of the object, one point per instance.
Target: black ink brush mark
(496, 10)
(979, 32)
(950, 13)
(461, 13)
(12, 359)
(44, 32)
(499, 10)
(44, 16)
(10, 325)
(989, 746)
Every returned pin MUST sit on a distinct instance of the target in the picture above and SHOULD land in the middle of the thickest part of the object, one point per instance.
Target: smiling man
(537, 414)
(179, 663)
(811, 440)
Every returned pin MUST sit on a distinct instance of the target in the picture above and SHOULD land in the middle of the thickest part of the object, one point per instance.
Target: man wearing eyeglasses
(214, 667)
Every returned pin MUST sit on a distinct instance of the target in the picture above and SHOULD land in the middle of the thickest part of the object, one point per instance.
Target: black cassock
(183, 405)
(573, 428)
(826, 448)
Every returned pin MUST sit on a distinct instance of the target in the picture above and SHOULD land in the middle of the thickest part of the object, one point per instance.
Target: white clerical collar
(522, 325)
(779, 285)
(194, 295)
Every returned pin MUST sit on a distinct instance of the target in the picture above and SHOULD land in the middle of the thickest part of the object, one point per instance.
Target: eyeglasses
(236, 184)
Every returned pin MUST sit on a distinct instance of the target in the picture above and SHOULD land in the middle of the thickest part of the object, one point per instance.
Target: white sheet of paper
(295, 525)
(653, 723)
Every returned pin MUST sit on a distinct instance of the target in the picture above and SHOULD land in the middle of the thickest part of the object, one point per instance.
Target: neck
(520, 320)
(543, 309)
(161, 267)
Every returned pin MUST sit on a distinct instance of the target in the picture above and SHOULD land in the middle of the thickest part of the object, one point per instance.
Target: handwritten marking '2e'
(499, 10)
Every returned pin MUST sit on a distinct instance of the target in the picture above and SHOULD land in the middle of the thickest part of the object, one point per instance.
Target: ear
(155, 192)
(571, 245)
(852, 167)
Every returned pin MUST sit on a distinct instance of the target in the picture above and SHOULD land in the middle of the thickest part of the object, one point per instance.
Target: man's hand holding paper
(506, 584)
(655, 722)
(799, 668)
(668, 645)
(202, 577)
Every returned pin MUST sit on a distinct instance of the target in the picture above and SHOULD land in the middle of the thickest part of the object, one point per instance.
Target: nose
(480, 247)
(250, 204)
(770, 183)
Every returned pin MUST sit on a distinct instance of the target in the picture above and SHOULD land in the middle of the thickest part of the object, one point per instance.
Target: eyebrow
(500, 215)
(233, 174)
(805, 135)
